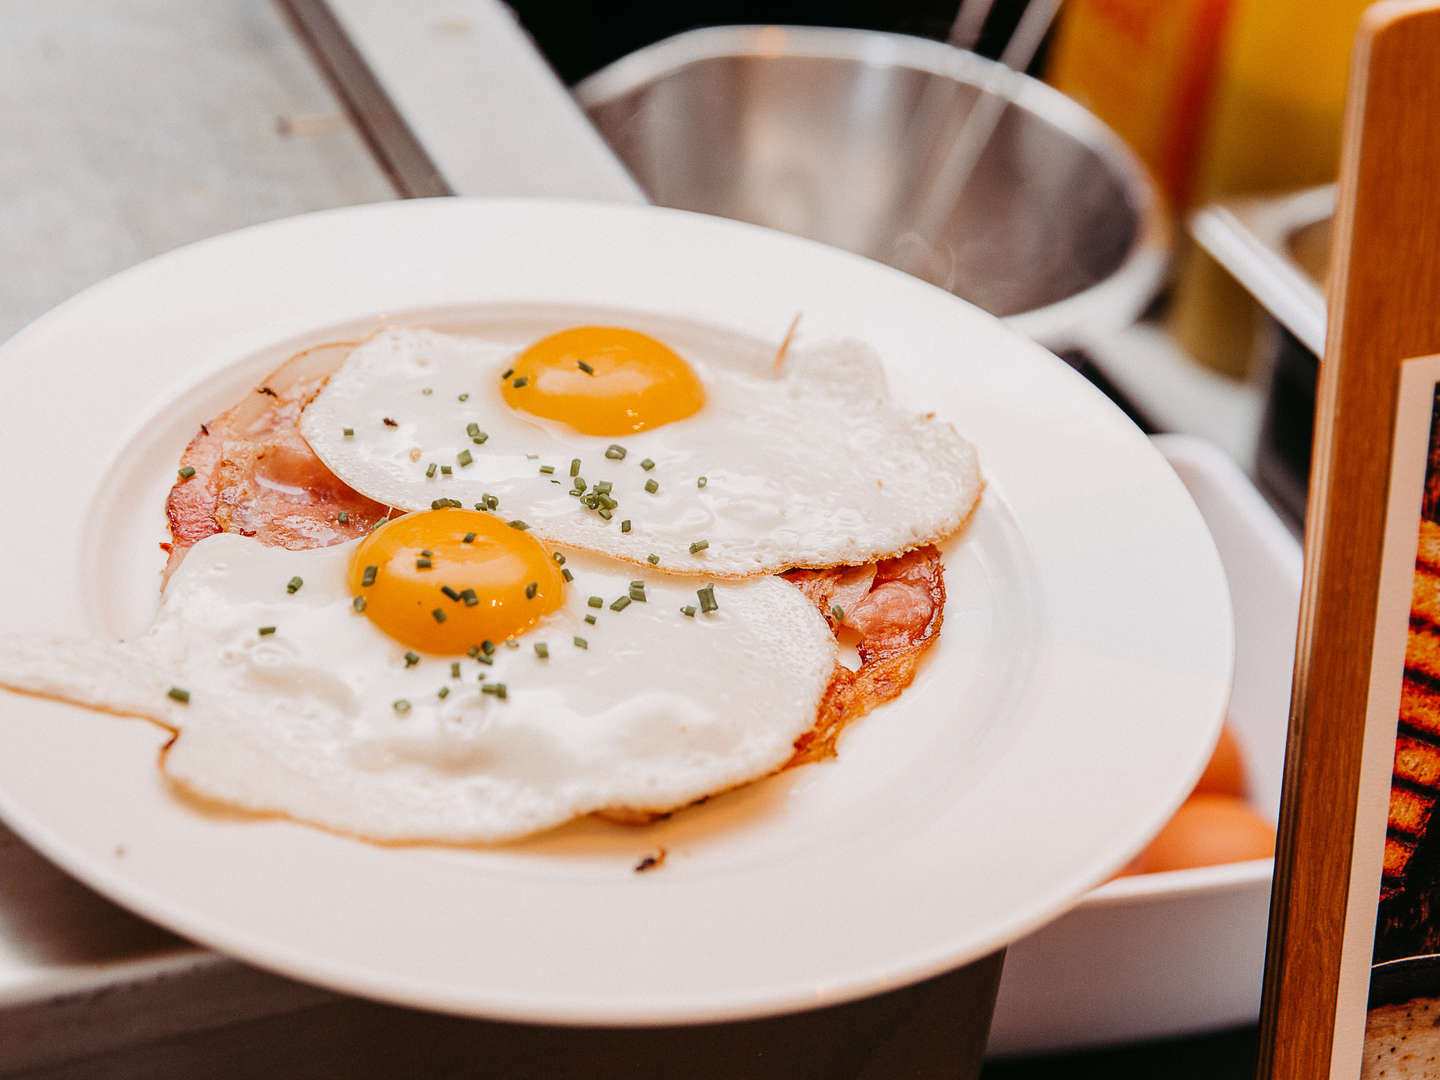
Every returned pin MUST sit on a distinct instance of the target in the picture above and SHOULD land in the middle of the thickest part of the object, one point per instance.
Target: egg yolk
(603, 380)
(444, 580)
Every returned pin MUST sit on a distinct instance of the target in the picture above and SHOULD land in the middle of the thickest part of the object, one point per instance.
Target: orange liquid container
(1147, 70)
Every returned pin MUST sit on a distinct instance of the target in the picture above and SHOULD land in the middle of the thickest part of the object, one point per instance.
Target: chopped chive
(348, 432)
(426, 552)
(358, 603)
(531, 590)
(837, 613)
(468, 538)
(487, 646)
(701, 482)
(620, 603)
(186, 471)
(266, 631)
(580, 642)
(473, 650)
(547, 470)
(445, 470)
(590, 619)
(605, 513)
(511, 643)
(651, 486)
(438, 614)
(411, 659)
(368, 577)
(520, 382)
(463, 397)
(595, 601)
(698, 546)
(653, 559)
(472, 429)
(343, 517)
(558, 557)
(532, 457)
(583, 366)
(454, 669)
(579, 483)
(293, 585)
(484, 659)
(647, 464)
(615, 452)
(464, 458)
(469, 597)
(567, 575)
(448, 591)
(427, 390)
(517, 524)
(637, 591)
(625, 525)
(688, 610)
(422, 564)
(707, 599)
(491, 502)
(603, 487)
(430, 469)
(479, 438)
(180, 694)
(488, 688)
(575, 466)
(542, 650)
(402, 706)
(507, 373)
(500, 690)
(441, 504)
(443, 693)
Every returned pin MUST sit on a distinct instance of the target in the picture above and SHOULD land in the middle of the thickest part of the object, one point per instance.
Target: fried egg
(449, 678)
(608, 440)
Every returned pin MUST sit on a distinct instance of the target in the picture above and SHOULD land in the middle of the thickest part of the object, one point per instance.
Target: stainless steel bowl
(834, 134)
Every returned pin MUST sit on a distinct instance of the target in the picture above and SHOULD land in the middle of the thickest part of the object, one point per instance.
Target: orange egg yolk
(603, 380)
(445, 580)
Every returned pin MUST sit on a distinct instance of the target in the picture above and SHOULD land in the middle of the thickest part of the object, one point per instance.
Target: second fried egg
(608, 440)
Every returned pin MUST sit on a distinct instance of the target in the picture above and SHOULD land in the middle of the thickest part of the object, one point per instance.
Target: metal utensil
(811, 130)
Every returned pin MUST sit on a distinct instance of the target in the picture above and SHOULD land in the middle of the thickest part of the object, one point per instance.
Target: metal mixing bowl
(833, 134)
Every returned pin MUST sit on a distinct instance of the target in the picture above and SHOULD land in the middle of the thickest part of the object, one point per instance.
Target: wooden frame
(1384, 304)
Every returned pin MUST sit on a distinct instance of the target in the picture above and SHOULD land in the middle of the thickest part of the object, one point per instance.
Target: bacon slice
(897, 618)
(256, 476)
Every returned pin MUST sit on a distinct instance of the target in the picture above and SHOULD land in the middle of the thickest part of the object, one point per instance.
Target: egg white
(810, 465)
(660, 709)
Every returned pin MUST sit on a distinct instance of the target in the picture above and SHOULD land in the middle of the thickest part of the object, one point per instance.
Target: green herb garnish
(615, 452)
(620, 603)
(187, 471)
(464, 458)
(368, 577)
(542, 650)
(293, 585)
(266, 631)
(177, 693)
(698, 546)
(707, 599)
(651, 486)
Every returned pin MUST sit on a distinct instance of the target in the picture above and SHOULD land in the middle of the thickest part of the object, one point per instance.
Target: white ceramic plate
(1070, 704)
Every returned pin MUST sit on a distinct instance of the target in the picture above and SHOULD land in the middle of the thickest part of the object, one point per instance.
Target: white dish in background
(1032, 757)
(1181, 952)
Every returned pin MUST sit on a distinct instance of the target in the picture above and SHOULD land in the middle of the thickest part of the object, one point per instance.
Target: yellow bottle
(1274, 125)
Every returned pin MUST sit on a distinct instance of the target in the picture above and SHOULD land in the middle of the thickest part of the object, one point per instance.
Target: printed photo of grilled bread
(1410, 882)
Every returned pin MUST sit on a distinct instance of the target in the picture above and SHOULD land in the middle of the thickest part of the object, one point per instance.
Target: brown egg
(1225, 775)
(1206, 831)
